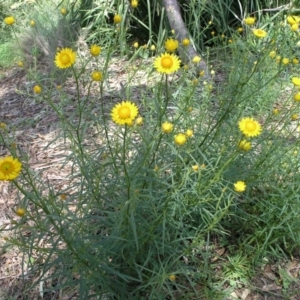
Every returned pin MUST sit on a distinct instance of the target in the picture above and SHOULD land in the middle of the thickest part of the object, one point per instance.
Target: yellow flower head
(272, 54)
(32, 23)
(244, 145)
(189, 133)
(180, 139)
(213, 33)
(296, 81)
(240, 186)
(65, 58)
(37, 89)
(196, 59)
(97, 76)
(294, 27)
(167, 127)
(293, 20)
(195, 168)
(2, 125)
(285, 61)
(240, 29)
(10, 168)
(117, 19)
(124, 113)
(20, 64)
(295, 61)
(171, 45)
(134, 3)
(250, 20)
(275, 111)
(139, 121)
(294, 117)
(9, 20)
(260, 33)
(20, 212)
(250, 127)
(172, 277)
(201, 73)
(167, 63)
(63, 11)
(152, 48)
(136, 45)
(185, 42)
(297, 97)
(95, 50)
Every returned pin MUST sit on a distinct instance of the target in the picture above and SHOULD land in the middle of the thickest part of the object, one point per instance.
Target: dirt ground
(34, 126)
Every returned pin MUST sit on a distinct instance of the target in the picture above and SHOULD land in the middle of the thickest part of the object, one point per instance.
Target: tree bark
(177, 24)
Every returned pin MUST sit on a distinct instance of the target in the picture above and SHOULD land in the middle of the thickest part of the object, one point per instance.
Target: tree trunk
(176, 23)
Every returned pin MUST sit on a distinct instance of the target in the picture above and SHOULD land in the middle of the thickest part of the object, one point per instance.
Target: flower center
(6, 167)
(250, 126)
(64, 58)
(124, 112)
(167, 62)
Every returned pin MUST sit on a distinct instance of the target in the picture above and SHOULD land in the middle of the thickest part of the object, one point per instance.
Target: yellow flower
(297, 97)
(240, 186)
(201, 73)
(250, 20)
(195, 168)
(260, 33)
(32, 23)
(195, 81)
(171, 45)
(172, 277)
(244, 145)
(285, 61)
(180, 139)
(240, 29)
(167, 127)
(189, 133)
(134, 3)
(272, 54)
(196, 59)
(97, 76)
(2, 125)
(139, 121)
(294, 117)
(65, 58)
(63, 197)
(10, 168)
(296, 81)
(20, 212)
(295, 61)
(293, 20)
(63, 11)
(9, 20)
(124, 113)
(278, 59)
(152, 48)
(167, 63)
(95, 50)
(185, 67)
(294, 27)
(37, 89)
(117, 19)
(250, 127)
(190, 109)
(213, 33)
(136, 45)
(185, 42)
(275, 111)
(20, 64)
